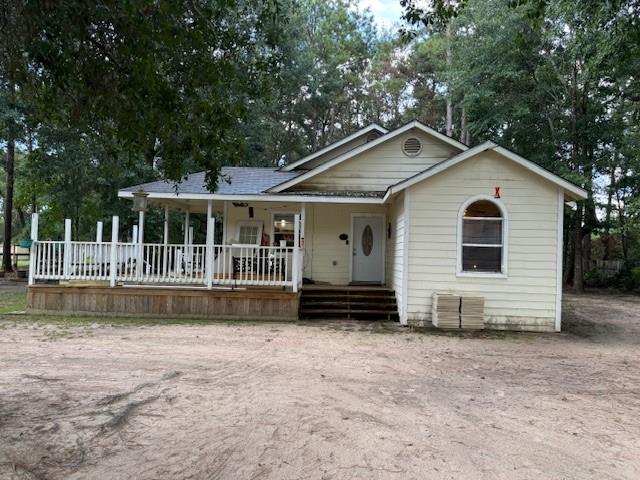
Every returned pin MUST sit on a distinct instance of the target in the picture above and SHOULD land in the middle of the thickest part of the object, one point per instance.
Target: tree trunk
(463, 126)
(449, 93)
(607, 219)
(578, 273)
(8, 206)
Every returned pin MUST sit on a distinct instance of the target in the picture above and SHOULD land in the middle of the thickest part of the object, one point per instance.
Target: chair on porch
(271, 267)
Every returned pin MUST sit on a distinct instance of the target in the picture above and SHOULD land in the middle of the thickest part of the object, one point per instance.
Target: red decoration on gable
(497, 192)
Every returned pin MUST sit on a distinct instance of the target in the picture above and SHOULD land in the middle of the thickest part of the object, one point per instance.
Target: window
(482, 242)
(249, 233)
(283, 228)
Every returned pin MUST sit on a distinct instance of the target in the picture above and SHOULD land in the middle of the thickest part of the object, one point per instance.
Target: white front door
(367, 246)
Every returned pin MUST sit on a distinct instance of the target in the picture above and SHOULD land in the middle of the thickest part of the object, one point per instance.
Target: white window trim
(249, 223)
(505, 239)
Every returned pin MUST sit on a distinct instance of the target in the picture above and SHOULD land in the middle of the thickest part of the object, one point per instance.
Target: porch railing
(177, 264)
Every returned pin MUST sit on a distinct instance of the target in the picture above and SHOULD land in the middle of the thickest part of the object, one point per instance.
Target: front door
(367, 244)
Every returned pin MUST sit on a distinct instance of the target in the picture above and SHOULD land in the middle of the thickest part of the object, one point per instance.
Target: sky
(385, 12)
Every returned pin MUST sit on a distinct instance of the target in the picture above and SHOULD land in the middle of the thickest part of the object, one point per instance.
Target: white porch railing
(166, 264)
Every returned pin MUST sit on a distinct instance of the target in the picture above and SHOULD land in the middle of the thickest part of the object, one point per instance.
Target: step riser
(348, 304)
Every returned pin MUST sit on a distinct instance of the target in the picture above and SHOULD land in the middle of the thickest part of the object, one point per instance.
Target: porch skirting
(170, 302)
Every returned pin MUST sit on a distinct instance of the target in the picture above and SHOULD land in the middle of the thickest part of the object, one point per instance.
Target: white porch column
(186, 228)
(113, 261)
(225, 211)
(134, 234)
(140, 246)
(98, 248)
(165, 240)
(99, 227)
(66, 266)
(209, 247)
(295, 273)
(32, 251)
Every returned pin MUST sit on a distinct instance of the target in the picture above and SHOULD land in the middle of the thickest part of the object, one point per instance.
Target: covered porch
(239, 258)
(242, 256)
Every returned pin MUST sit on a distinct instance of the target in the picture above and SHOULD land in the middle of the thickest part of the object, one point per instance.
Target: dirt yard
(324, 401)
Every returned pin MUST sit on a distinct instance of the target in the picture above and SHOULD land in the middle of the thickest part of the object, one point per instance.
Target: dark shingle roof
(232, 181)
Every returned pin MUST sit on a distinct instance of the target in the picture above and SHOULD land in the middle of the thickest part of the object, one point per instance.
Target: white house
(410, 210)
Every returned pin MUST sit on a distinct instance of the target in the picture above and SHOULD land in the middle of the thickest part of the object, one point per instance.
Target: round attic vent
(372, 136)
(411, 147)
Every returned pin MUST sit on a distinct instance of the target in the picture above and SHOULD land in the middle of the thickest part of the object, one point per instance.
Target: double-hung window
(482, 247)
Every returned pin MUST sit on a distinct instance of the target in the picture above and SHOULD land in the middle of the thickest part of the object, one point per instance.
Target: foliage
(110, 94)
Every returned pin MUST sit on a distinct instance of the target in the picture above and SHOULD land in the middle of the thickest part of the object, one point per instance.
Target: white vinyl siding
(326, 256)
(526, 297)
(395, 249)
(356, 142)
(380, 167)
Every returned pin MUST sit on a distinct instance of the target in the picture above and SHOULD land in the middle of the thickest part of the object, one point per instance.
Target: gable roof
(232, 181)
(374, 127)
(574, 190)
(365, 147)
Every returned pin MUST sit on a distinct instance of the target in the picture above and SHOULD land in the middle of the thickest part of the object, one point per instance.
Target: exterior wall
(526, 298)
(380, 167)
(322, 226)
(326, 257)
(356, 142)
(395, 249)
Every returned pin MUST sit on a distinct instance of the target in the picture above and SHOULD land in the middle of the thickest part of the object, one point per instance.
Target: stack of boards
(454, 311)
(445, 311)
(472, 312)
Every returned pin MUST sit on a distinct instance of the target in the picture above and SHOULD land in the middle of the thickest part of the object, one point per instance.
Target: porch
(251, 264)
(240, 262)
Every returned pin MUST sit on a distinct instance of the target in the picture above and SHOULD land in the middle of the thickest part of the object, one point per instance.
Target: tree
(170, 81)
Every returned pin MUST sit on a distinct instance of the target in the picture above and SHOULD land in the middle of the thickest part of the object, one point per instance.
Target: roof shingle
(232, 181)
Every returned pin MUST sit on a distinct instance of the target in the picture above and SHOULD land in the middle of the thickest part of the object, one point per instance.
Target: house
(411, 211)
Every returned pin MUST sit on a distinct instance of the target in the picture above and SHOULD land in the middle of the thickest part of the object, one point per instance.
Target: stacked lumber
(445, 310)
(472, 312)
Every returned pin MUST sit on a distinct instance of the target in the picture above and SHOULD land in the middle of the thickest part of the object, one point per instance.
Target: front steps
(348, 303)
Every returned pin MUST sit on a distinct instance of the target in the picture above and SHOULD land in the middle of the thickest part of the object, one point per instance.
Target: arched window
(482, 240)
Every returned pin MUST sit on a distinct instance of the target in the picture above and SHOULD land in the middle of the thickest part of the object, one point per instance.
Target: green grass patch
(12, 301)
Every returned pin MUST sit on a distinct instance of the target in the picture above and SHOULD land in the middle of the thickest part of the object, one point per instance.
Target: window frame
(273, 219)
(460, 272)
(250, 223)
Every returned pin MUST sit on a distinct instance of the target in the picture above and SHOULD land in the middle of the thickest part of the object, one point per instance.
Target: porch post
(66, 266)
(98, 248)
(32, 251)
(165, 239)
(296, 252)
(99, 227)
(209, 247)
(186, 228)
(224, 222)
(113, 261)
(140, 246)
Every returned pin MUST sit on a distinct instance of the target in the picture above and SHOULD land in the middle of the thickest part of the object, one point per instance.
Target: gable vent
(411, 147)
(372, 136)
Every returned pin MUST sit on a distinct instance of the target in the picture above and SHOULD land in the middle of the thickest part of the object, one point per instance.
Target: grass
(12, 301)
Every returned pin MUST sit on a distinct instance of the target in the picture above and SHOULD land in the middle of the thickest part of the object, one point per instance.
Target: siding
(323, 248)
(356, 142)
(381, 166)
(527, 297)
(395, 249)
(323, 225)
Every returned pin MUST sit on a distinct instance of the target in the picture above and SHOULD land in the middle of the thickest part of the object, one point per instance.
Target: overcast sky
(386, 12)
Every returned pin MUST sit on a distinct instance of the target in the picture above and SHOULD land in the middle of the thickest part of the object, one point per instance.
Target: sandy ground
(323, 401)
